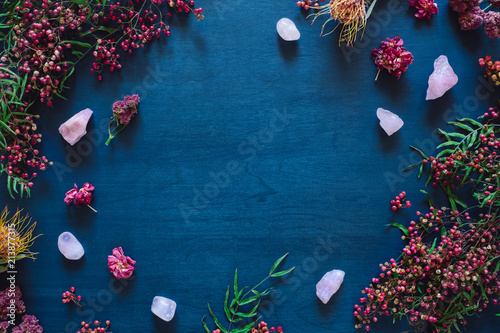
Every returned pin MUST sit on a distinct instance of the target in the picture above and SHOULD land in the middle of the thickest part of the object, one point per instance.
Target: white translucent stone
(329, 284)
(75, 127)
(69, 246)
(442, 79)
(163, 307)
(287, 29)
(389, 121)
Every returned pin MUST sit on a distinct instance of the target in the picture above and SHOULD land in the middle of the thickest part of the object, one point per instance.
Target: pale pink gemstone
(389, 121)
(442, 79)
(329, 284)
(75, 127)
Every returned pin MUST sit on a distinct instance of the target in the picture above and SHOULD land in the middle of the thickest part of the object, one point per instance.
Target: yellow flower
(350, 14)
(16, 236)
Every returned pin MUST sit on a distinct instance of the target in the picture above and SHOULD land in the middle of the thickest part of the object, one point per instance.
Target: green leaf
(78, 43)
(498, 266)
(480, 283)
(276, 264)
(78, 54)
(205, 325)
(401, 227)
(461, 125)
(457, 135)
(282, 272)
(472, 140)
(447, 144)
(467, 173)
(216, 321)
(420, 170)
(60, 96)
(421, 153)
(67, 76)
(471, 121)
(14, 185)
(79, 2)
(429, 199)
(249, 300)
(226, 308)
(254, 309)
(235, 284)
(370, 9)
(446, 151)
(247, 328)
(9, 180)
(7, 128)
(433, 245)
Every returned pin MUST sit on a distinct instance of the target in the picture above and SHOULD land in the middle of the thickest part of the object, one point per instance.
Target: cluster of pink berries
(491, 111)
(70, 296)
(308, 4)
(98, 329)
(137, 28)
(399, 200)
(458, 270)
(21, 152)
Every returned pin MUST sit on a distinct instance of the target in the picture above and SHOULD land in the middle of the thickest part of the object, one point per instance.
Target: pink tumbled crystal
(75, 127)
(442, 79)
(390, 122)
(329, 284)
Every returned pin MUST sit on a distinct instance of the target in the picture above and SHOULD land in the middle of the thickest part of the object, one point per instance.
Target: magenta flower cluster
(120, 265)
(5, 301)
(425, 8)
(124, 110)
(81, 196)
(29, 323)
(471, 16)
(392, 56)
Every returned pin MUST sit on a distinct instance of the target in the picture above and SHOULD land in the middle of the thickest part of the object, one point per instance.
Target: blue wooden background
(245, 147)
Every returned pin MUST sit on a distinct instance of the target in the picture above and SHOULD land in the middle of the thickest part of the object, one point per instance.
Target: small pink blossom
(425, 8)
(392, 56)
(124, 110)
(81, 196)
(120, 265)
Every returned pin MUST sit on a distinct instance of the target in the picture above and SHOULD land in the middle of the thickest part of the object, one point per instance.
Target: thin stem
(95, 211)
(376, 77)
(113, 132)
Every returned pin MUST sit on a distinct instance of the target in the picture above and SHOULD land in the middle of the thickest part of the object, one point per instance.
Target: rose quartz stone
(442, 79)
(75, 127)
(287, 30)
(389, 121)
(329, 284)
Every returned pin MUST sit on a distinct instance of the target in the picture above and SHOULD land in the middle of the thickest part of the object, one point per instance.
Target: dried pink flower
(425, 8)
(120, 265)
(471, 19)
(495, 3)
(392, 56)
(492, 24)
(81, 196)
(461, 6)
(124, 110)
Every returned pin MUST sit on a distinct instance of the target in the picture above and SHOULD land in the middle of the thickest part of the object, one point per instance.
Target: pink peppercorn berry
(398, 201)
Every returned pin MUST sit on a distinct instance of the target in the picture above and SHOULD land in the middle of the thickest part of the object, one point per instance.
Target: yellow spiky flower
(16, 236)
(350, 14)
